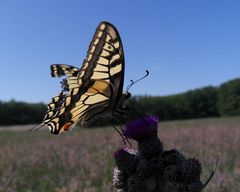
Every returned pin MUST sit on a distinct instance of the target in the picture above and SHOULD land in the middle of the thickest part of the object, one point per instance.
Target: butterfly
(93, 90)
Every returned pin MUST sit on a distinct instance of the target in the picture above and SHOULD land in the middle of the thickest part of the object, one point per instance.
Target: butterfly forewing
(95, 88)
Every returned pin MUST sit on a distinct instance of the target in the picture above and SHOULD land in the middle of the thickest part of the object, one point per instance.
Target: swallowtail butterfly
(93, 90)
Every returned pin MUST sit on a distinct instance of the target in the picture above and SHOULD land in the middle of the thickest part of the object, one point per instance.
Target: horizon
(216, 86)
(185, 45)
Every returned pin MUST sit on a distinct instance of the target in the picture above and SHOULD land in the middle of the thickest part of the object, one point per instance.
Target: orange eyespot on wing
(67, 126)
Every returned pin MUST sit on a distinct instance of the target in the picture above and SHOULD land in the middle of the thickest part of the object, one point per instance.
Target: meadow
(82, 160)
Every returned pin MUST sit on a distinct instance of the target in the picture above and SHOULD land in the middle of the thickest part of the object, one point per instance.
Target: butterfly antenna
(133, 82)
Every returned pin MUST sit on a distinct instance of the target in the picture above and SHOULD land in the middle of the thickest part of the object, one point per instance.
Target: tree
(229, 98)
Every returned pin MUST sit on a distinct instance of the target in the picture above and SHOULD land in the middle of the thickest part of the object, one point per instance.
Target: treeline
(199, 103)
(18, 113)
(210, 101)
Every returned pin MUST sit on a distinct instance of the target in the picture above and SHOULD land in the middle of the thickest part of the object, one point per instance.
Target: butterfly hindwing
(59, 70)
(95, 88)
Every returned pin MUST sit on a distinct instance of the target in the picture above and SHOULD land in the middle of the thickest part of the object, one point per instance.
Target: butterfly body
(95, 89)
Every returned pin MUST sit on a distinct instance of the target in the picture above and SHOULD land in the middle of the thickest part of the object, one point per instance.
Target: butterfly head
(126, 95)
(122, 102)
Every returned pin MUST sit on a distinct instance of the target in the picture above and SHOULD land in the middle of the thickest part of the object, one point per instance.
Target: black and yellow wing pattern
(94, 89)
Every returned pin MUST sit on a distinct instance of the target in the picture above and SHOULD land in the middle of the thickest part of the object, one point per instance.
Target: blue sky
(185, 44)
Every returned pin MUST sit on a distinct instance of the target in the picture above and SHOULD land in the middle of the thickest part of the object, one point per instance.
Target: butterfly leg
(120, 132)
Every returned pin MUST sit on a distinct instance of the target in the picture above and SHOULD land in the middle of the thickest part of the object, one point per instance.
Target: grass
(82, 159)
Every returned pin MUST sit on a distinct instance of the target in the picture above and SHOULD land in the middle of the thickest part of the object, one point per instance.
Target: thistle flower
(142, 129)
(152, 169)
(119, 180)
(172, 157)
(184, 176)
(191, 169)
(126, 160)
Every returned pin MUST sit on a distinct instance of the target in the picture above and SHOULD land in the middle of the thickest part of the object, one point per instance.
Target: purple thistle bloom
(142, 129)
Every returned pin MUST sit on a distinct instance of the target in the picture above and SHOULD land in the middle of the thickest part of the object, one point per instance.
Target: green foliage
(17, 113)
(229, 98)
(197, 103)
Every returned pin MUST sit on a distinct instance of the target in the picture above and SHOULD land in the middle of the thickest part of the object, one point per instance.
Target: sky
(185, 44)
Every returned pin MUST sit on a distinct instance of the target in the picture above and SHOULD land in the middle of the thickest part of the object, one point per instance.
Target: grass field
(82, 160)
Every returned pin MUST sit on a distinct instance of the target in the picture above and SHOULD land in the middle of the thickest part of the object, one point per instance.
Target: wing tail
(37, 127)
